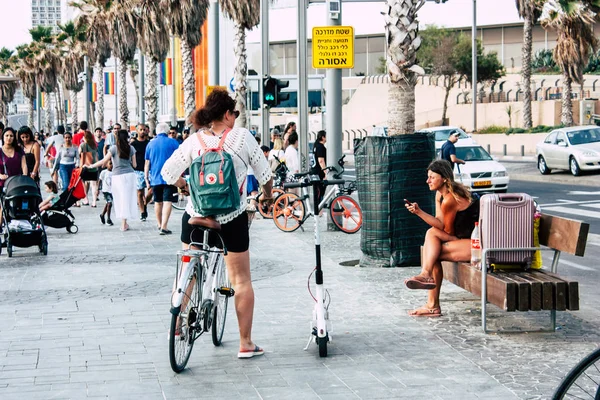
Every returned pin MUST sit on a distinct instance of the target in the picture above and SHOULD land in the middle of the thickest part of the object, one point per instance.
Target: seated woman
(448, 239)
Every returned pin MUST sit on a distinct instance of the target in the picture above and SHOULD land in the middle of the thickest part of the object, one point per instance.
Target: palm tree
(186, 18)
(530, 11)
(27, 76)
(574, 23)
(245, 15)
(403, 41)
(8, 86)
(123, 24)
(153, 41)
(71, 41)
(94, 15)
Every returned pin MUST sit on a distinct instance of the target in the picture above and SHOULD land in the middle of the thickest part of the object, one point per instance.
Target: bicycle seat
(205, 222)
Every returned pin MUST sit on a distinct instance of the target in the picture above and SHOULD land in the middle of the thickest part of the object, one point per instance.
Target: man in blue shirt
(448, 151)
(158, 152)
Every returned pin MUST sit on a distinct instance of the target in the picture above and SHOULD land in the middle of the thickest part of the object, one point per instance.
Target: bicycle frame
(311, 206)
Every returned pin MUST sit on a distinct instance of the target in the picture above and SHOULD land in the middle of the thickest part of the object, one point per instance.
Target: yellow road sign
(333, 47)
(210, 88)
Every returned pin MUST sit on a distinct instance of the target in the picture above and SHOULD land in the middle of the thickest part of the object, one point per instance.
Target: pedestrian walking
(106, 181)
(140, 143)
(448, 150)
(319, 160)
(88, 154)
(110, 136)
(12, 160)
(123, 184)
(276, 155)
(158, 152)
(53, 143)
(100, 139)
(78, 136)
(291, 154)
(289, 129)
(219, 113)
(67, 157)
(32, 151)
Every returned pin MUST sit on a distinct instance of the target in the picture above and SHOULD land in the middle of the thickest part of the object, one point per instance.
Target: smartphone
(407, 202)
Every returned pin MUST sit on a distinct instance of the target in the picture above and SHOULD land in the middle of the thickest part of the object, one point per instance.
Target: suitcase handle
(511, 200)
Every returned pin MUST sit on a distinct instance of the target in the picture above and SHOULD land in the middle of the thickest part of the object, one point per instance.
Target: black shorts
(234, 233)
(164, 193)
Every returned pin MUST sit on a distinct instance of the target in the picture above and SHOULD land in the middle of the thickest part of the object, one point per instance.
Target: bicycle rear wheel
(583, 381)
(346, 214)
(183, 322)
(267, 212)
(181, 202)
(220, 307)
(288, 212)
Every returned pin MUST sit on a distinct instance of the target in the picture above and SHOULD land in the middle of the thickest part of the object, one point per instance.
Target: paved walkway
(90, 320)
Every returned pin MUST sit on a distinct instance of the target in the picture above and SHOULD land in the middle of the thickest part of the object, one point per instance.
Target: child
(51, 188)
(106, 181)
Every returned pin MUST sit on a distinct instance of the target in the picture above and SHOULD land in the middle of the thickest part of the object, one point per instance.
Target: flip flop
(251, 353)
(426, 312)
(420, 282)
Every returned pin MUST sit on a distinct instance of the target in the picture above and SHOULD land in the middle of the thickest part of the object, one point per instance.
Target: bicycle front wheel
(220, 306)
(346, 214)
(183, 323)
(583, 381)
(288, 212)
(181, 202)
(267, 211)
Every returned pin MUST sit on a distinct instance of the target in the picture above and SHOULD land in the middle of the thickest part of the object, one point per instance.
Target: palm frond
(245, 13)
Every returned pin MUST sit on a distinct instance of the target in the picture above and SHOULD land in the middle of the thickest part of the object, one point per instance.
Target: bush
(516, 130)
(493, 129)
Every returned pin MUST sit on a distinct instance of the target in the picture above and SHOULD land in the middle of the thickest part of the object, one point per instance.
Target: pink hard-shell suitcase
(506, 220)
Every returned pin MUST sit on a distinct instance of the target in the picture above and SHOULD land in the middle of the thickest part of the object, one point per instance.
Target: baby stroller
(59, 216)
(20, 209)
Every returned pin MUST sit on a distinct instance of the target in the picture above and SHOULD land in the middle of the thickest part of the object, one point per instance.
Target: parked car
(575, 149)
(480, 172)
(441, 134)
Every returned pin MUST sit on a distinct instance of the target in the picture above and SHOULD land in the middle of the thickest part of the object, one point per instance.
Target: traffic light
(272, 96)
(270, 92)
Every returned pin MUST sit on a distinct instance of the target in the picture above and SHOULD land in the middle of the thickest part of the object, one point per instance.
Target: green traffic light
(269, 97)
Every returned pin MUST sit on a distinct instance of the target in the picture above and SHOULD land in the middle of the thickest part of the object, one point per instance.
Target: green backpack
(213, 186)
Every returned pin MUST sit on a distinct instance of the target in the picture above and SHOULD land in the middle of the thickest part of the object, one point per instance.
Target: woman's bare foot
(426, 312)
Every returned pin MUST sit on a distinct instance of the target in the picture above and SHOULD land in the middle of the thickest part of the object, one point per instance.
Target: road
(17, 121)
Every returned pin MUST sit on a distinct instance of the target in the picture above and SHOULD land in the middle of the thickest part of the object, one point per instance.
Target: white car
(480, 172)
(576, 149)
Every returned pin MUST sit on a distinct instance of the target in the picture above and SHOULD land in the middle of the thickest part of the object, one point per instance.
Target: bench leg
(483, 264)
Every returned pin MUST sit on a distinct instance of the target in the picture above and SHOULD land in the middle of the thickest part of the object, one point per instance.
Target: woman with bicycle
(215, 119)
(448, 239)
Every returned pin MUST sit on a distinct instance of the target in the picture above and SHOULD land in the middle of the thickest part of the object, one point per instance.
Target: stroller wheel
(44, 248)
(73, 229)
(9, 248)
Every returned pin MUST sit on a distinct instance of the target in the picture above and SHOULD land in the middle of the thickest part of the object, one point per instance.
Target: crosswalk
(586, 209)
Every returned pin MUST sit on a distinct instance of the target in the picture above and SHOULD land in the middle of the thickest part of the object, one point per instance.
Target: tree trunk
(526, 72)
(448, 85)
(133, 74)
(100, 100)
(151, 93)
(57, 106)
(48, 114)
(3, 113)
(189, 80)
(92, 121)
(401, 108)
(30, 117)
(123, 110)
(567, 104)
(74, 110)
(240, 73)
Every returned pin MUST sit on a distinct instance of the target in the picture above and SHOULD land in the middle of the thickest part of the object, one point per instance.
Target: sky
(16, 16)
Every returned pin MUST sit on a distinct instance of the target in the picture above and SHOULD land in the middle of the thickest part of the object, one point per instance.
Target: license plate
(482, 183)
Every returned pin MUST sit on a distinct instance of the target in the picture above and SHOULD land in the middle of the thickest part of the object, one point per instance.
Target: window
(551, 138)
(561, 138)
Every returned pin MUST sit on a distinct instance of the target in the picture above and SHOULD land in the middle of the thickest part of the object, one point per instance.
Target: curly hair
(444, 168)
(217, 104)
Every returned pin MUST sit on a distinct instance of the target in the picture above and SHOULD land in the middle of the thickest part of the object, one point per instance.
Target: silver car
(575, 149)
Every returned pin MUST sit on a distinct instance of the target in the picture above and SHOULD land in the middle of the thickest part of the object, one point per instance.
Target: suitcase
(506, 220)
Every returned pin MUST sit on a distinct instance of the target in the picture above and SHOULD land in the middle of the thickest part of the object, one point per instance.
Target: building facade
(46, 13)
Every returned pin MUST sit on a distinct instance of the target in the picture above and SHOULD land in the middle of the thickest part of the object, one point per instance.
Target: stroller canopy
(21, 186)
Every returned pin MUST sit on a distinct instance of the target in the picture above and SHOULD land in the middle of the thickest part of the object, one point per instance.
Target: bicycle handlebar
(325, 182)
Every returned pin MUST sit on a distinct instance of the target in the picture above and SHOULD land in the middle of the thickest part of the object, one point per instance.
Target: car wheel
(574, 166)
(542, 166)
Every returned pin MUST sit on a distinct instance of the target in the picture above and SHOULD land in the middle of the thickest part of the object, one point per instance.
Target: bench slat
(523, 292)
(572, 291)
(501, 292)
(564, 234)
(534, 289)
(559, 290)
(546, 291)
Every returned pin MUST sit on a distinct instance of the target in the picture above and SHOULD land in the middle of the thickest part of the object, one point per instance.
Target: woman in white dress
(124, 179)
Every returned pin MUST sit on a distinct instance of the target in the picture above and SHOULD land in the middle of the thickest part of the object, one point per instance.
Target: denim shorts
(141, 181)
(108, 197)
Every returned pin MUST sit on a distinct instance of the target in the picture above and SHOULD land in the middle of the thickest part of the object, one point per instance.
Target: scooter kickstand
(311, 337)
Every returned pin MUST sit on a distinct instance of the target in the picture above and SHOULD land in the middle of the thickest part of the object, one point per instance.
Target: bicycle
(200, 296)
(320, 325)
(182, 198)
(583, 381)
(289, 209)
(280, 177)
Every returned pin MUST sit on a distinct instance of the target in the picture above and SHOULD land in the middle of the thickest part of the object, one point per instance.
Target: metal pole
(174, 87)
(38, 105)
(86, 89)
(213, 44)
(116, 91)
(142, 105)
(474, 66)
(264, 26)
(302, 86)
(333, 93)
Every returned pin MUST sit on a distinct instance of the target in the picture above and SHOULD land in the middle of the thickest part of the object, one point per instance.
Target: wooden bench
(531, 290)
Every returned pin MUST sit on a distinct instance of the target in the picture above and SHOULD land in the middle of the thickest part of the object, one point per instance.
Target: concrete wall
(513, 142)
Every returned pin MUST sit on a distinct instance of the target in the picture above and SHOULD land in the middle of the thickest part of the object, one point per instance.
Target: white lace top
(245, 152)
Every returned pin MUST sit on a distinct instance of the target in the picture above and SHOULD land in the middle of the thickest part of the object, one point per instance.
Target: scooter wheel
(322, 342)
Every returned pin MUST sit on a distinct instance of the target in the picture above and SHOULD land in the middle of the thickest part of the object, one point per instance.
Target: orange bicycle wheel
(288, 212)
(346, 214)
(267, 212)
